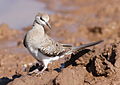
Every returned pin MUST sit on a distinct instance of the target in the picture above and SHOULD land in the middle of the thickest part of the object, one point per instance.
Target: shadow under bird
(43, 48)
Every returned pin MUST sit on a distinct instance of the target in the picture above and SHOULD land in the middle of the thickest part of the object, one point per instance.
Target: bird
(44, 48)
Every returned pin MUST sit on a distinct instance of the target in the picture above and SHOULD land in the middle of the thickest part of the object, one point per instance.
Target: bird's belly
(37, 55)
(41, 57)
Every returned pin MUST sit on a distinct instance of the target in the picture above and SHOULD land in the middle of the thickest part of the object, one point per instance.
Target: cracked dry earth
(97, 65)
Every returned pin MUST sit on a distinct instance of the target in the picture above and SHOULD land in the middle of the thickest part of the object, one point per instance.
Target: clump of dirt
(97, 66)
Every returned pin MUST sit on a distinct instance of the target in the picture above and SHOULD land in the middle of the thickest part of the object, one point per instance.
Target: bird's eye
(41, 18)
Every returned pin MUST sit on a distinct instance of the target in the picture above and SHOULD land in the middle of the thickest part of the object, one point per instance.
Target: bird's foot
(36, 72)
(33, 72)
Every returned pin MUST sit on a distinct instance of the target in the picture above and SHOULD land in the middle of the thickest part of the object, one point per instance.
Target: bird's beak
(48, 25)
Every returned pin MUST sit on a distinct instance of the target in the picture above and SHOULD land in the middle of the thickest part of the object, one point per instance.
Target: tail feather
(86, 45)
(74, 50)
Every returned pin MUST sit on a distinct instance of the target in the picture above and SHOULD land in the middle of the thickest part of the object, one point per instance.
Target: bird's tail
(77, 49)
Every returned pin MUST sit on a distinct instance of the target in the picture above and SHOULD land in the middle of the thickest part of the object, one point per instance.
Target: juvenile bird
(43, 48)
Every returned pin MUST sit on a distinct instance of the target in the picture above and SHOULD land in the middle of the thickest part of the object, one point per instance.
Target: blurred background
(73, 22)
(20, 13)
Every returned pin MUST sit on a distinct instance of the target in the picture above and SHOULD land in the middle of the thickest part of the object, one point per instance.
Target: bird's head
(42, 19)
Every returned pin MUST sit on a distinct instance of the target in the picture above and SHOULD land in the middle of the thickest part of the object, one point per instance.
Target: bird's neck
(38, 27)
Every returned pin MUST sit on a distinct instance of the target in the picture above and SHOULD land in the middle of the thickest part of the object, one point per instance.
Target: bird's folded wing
(52, 48)
(51, 53)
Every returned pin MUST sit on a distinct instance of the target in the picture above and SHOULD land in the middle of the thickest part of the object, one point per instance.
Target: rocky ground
(79, 23)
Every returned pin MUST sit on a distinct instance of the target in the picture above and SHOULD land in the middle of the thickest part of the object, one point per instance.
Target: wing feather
(53, 48)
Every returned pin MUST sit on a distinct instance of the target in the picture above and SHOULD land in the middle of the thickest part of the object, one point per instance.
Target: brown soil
(82, 22)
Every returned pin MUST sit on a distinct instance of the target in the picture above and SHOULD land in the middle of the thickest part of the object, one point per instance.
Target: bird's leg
(35, 67)
(45, 63)
(45, 67)
(37, 72)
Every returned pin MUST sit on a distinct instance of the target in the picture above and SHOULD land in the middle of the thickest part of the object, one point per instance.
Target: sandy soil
(87, 21)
